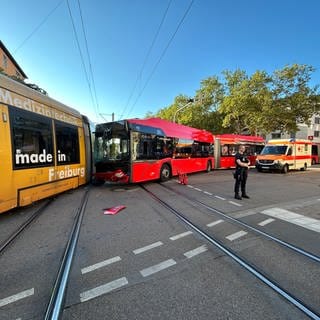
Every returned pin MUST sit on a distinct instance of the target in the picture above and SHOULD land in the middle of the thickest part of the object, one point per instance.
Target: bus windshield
(111, 142)
(274, 150)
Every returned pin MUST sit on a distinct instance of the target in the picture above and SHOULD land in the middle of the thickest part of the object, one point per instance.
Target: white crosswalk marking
(214, 223)
(158, 267)
(236, 235)
(105, 288)
(149, 247)
(265, 222)
(196, 251)
(100, 265)
(16, 297)
(295, 218)
(180, 235)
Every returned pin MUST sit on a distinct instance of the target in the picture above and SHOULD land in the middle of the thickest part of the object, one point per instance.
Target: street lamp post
(181, 108)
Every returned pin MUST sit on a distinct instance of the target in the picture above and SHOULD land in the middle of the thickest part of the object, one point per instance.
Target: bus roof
(175, 130)
(238, 138)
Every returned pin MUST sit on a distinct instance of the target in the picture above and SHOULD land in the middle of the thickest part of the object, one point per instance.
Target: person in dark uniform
(241, 173)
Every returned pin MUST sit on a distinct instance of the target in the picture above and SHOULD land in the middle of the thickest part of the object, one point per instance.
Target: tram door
(8, 197)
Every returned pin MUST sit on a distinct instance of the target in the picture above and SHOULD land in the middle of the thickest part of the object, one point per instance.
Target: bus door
(8, 197)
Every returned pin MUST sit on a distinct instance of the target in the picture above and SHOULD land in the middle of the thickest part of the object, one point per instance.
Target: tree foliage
(255, 104)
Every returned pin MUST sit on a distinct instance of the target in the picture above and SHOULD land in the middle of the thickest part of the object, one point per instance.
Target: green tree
(256, 104)
(246, 101)
(294, 102)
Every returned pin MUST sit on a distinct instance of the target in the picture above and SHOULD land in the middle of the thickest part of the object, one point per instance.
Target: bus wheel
(165, 173)
(304, 167)
(209, 166)
(285, 169)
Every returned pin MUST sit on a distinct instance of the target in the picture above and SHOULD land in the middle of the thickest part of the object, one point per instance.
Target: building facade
(8, 64)
(311, 132)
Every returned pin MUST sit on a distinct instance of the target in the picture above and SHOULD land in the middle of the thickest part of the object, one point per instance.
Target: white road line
(181, 235)
(295, 218)
(235, 203)
(105, 288)
(190, 186)
(149, 247)
(208, 193)
(158, 267)
(197, 189)
(16, 297)
(196, 251)
(221, 198)
(236, 235)
(214, 223)
(265, 222)
(100, 265)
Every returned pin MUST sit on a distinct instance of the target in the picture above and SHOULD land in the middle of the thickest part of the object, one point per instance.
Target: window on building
(275, 135)
(4, 61)
(317, 120)
(316, 134)
(18, 74)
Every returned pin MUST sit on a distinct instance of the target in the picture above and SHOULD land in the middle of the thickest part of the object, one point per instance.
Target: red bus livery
(315, 153)
(227, 145)
(137, 150)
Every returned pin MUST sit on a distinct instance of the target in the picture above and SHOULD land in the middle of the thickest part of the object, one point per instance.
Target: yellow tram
(45, 146)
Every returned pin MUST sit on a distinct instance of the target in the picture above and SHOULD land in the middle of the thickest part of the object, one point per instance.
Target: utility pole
(107, 114)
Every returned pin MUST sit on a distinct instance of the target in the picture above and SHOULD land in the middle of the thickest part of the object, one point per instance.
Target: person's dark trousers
(241, 180)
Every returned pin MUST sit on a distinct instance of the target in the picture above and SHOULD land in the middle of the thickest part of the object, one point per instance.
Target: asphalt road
(143, 263)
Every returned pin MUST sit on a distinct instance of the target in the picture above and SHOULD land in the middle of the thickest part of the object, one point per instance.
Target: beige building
(311, 132)
(8, 64)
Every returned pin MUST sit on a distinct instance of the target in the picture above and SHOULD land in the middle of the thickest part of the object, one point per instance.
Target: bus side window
(289, 152)
(224, 150)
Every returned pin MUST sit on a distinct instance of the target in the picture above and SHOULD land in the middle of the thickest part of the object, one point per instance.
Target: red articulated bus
(315, 153)
(227, 145)
(138, 150)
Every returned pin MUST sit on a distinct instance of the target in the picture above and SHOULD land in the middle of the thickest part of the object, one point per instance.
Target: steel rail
(21, 228)
(58, 293)
(265, 234)
(286, 295)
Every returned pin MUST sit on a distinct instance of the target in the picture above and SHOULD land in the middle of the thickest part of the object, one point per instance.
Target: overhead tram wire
(161, 56)
(81, 56)
(89, 59)
(38, 26)
(146, 58)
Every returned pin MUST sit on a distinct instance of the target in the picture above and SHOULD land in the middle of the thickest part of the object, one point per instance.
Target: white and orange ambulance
(284, 155)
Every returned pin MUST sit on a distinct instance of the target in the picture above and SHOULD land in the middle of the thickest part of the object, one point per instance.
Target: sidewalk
(315, 167)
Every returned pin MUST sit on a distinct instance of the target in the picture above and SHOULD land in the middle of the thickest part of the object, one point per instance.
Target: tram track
(49, 295)
(251, 228)
(18, 231)
(55, 304)
(243, 262)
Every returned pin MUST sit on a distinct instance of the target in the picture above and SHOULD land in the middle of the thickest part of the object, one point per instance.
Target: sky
(136, 56)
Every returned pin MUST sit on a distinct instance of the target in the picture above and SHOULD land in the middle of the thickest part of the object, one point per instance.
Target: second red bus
(227, 145)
